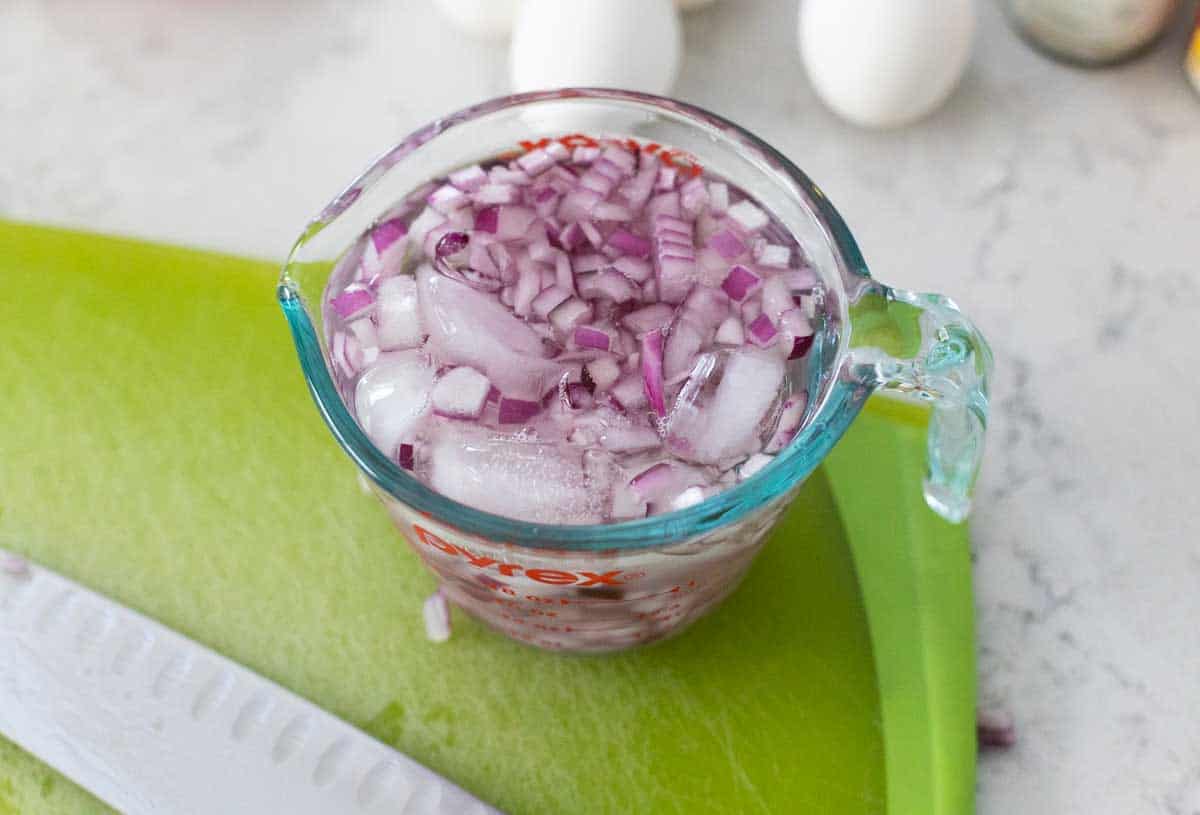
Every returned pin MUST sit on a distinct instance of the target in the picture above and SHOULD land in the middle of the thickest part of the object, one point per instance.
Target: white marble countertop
(1060, 207)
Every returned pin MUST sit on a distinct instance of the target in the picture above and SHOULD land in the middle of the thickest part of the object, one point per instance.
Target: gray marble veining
(1059, 207)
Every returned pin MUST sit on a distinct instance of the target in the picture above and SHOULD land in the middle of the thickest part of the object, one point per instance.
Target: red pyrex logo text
(552, 577)
(669, 156)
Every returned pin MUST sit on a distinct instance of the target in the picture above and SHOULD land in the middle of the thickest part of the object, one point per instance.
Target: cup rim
(842, 400)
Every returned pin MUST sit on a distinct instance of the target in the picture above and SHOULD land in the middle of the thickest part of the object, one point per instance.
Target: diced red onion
(706, 308)
(535, 162)
(606, 284)
(693, 196)
(577, 204)
(740, 282)
(469, 179)
(727, 244)
(652, 370)
(666, 203)
(507, 175)
(508, 295)
(604, 372)
(529, 284)
(675, 278)
(547, 300)
(762, 331)
(750, 217)
(451, 243)
(636, 269)
(773, 256)
(585, 155)
(683, 343)
(629, 244)
(800, 346)
(621, 157)
(649, 318)
(718, 196)
(591, 233)
(516, 411)
(352, 302)
(387, 233)
(571, 236)
(605, 211)
(406, 456)
(496, 194)
(776, 296)
(803, 279)
(487, 219)
(666, 179)
(557, 151)
(578, 397)
(513, 222)
(436, 614)
(730, 332)
(460, 393)
(586, 336)
(569, 314)
(588, 262)
(448, 198)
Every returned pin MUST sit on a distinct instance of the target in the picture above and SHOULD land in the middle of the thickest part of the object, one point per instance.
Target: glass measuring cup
(608, 587)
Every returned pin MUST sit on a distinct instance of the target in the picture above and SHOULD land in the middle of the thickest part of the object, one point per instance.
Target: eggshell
(630, 44)
(885, 63)
(486, 19)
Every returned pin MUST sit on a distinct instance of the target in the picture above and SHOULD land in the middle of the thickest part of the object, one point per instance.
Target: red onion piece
(469, 179)
(682, 346)
(352, 302)
(636, 269)
(604, 372)
(727, 244)
(652, 370)
(547, 300)
(515, 411)
(436, 614)
(748, 216)
(451, 243)
(448, 198)
(773, 256)
(569, 314)
(588, 337)
(628, 243)
(487, 219)
(730, 332)
(762, 331)
(649, 318)
(406, 456)
(740, 282)
(496, 194)
(535, 162)
(608, 284)
(387, 233)
(718, 197)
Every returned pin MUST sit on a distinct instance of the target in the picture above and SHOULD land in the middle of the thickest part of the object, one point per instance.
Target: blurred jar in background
(1091, 32)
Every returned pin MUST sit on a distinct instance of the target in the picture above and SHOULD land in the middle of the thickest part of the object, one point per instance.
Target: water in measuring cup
(576, 335)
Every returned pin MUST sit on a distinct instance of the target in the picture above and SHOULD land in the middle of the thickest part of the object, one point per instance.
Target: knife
(151, 722)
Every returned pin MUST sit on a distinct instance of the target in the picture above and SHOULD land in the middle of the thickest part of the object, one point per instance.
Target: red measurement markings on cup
(669, 156)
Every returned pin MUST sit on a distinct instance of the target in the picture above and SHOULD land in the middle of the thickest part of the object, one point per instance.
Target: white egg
(630, 44)
(487, 19)
(885, 63)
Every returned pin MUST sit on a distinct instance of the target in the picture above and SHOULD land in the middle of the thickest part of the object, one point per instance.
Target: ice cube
(518, 475)
(711, 424)
(392, 396)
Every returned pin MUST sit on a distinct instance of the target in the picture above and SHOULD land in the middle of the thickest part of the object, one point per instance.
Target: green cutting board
(157, 444)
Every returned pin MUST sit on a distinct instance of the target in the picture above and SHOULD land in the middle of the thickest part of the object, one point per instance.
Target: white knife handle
(152, 723)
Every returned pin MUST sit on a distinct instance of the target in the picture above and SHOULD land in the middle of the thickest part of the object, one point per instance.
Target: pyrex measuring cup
(607, 587)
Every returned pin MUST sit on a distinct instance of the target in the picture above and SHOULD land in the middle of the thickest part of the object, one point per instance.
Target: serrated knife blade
(151, 722)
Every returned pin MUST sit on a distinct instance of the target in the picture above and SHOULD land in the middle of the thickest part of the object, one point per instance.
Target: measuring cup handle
(922, 344)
